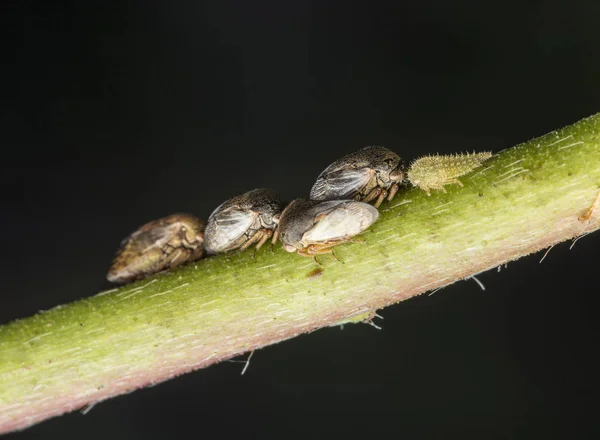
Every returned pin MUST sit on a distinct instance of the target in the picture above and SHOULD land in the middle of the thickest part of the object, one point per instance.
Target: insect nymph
(158, 245)
(312, 227)
(372, 173)
(435, 172)
(243, 221)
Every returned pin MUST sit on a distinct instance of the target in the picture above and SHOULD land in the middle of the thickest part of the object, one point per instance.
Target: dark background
(113, 114)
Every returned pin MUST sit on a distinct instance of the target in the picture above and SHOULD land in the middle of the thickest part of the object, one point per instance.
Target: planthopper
(372, 173)
(243, 221)
(158, 245)
(312, 227)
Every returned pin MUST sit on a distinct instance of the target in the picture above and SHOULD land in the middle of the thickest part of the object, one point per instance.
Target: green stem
(523, 200)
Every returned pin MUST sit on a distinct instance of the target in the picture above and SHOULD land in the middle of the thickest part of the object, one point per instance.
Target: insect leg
(380, 199)
(266, 234)
(175, 256)
(253, 239)
(393, 190)
(305, 253)
(373, 194)
(320, 249)
(442, 185)
(325, 248)
(275, 237)
(335, 256)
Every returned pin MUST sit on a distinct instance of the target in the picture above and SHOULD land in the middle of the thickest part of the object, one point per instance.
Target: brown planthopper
(312, 227)
(372, 173)
(243, 221)
(434, 172)
(158, 245)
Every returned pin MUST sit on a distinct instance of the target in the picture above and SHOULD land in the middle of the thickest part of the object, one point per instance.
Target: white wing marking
(230, 224)
(346, 220)
(341, 184)
(158, 236)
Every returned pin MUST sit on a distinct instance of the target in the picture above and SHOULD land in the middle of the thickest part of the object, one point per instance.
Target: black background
(113, 114)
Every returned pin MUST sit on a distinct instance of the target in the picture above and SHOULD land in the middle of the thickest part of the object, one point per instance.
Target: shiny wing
(342, 184)
(141, 252)
(226, 226)
(347, 219)
(143, 241)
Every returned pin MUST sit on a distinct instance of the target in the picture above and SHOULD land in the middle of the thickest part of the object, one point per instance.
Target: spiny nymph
(434, 172)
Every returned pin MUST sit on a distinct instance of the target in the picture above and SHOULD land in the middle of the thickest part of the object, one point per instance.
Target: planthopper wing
(150, 236)
(346, 219)
(226, 226)
(142, 252)
(340, 184)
